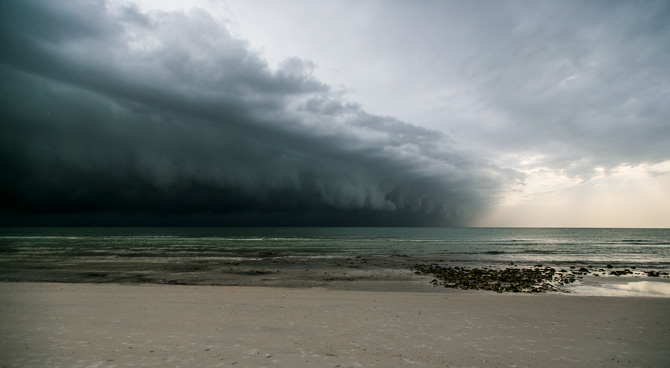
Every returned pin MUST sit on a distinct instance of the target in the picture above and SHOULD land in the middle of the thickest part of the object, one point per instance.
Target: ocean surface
(50, 252)
(628, 247)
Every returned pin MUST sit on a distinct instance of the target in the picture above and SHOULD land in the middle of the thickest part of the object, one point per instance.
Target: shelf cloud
(112, 115)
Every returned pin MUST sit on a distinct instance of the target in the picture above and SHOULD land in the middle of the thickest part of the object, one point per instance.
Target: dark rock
(529, 280)
(96, 274)
(621, 273)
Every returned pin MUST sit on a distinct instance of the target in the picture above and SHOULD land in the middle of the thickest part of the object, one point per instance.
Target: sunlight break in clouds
(625, 197)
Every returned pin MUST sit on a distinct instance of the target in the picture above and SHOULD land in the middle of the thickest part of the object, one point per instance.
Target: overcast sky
(442, 113)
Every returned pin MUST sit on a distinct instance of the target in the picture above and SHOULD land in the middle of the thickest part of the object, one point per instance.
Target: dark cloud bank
(115, 117)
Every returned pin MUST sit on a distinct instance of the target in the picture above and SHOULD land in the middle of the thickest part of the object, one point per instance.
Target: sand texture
(112, 325)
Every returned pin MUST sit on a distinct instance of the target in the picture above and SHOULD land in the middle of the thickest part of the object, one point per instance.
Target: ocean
(191, 255)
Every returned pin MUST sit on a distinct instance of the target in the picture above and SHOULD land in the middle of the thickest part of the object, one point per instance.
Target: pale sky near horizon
(483, 113)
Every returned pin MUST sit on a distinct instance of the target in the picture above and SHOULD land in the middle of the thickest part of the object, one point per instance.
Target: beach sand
(113, 325)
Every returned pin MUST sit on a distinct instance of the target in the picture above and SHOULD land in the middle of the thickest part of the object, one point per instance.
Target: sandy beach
(113, 325)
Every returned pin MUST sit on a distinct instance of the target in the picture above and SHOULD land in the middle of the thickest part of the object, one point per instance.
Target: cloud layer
(111, 115)
(581, 85)
(570, 87)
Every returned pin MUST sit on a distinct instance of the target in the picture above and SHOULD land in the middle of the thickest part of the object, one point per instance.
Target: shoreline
(520, 260)
(115, 325)
(352, 273)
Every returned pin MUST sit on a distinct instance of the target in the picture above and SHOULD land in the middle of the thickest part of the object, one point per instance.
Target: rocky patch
(512, 279)
(515, 279)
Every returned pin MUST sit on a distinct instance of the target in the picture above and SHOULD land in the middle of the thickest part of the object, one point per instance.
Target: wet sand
(113, 325)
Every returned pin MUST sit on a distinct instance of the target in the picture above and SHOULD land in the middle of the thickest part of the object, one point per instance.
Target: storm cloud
(111, 115)
(567, 86)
